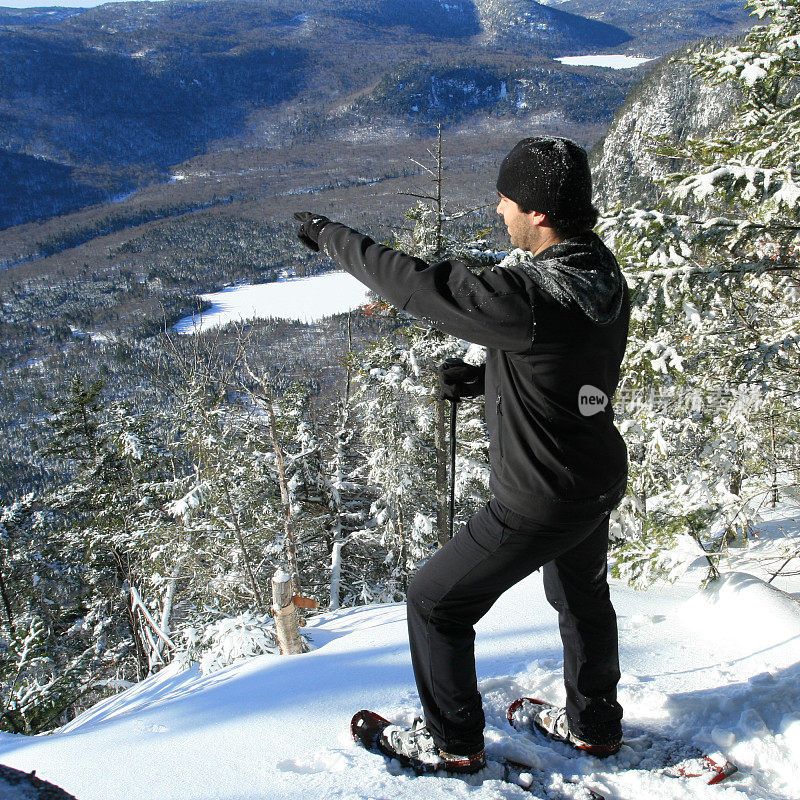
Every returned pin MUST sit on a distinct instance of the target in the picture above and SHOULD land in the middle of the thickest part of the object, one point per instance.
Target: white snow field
(609, 61)
(720, 668)
(304, 299)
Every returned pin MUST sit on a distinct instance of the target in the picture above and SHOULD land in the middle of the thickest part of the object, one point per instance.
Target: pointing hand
(310, 228)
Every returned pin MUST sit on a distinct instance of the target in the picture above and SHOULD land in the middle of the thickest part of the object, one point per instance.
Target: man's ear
(537, 218)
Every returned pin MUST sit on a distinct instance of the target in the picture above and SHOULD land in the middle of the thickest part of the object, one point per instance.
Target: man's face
(522, 228)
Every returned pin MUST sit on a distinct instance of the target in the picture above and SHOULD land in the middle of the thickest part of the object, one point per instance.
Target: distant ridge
(95, 102)
(98, 102)
(46, 15)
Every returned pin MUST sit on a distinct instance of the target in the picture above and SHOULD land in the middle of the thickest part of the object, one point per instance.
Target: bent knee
(418, 594)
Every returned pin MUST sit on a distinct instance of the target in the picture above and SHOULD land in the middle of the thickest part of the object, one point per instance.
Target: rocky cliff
(669, 102)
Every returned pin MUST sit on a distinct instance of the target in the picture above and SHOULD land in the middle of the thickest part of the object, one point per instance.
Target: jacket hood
(580, 272)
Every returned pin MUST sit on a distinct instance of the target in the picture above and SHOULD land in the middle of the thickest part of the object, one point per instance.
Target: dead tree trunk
(774, 487)
(343, 436)
(6, 602)
(287, 628)
(280, 466)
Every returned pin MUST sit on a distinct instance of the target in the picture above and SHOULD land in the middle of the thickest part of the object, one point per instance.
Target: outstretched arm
(492, 309)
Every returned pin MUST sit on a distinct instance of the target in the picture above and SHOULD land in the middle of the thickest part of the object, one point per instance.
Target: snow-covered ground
(304, 299)
(609, 61)
(719, 667)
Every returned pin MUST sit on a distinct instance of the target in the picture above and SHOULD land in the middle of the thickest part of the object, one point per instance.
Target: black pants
(460, 583)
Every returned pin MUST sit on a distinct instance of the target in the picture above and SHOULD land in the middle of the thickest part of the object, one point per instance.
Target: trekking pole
(453, 409)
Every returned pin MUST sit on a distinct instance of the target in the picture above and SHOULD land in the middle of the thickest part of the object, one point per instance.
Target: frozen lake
(608, 61)
(304, 299)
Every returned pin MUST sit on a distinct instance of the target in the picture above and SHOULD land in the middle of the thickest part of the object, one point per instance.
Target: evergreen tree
(398, 419)
(72, 560)
(111, 510)
(709, 395)
(48, 661)
(228, 507)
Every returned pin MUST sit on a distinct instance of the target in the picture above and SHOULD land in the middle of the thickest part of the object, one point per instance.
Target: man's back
(549, 407)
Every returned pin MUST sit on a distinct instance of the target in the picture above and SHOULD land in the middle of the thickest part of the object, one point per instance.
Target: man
(553, 317)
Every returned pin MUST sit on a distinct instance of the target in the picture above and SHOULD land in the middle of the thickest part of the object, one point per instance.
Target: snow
(608, 61)
(744, 597)
(281, 576)
(92, 336)
(183, 506)
(121, 198)
(719, 667)
(304, 299)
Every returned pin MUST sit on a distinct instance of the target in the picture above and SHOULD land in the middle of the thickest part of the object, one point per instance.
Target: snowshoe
(415, 749)
(641, 750)
(550, 720)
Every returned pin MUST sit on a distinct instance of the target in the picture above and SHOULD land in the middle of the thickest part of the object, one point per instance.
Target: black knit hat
(548, 174)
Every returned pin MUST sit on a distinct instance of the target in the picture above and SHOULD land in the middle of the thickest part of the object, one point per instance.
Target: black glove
(458, 379)
(310, 228)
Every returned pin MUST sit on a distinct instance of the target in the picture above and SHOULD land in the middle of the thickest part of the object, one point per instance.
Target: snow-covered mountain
(184, 79)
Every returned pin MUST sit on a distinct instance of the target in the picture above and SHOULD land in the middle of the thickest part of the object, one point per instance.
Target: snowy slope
(721, 667)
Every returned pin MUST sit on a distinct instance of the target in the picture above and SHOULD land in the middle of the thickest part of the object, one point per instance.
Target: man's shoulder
(510, 277)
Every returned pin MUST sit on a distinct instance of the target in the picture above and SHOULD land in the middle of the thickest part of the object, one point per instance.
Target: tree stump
(284, 613)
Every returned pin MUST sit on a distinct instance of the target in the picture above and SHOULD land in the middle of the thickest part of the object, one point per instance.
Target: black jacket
(552, 360)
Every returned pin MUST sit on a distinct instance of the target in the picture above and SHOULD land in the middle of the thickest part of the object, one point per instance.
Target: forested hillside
(99, 103)
(665, 24)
